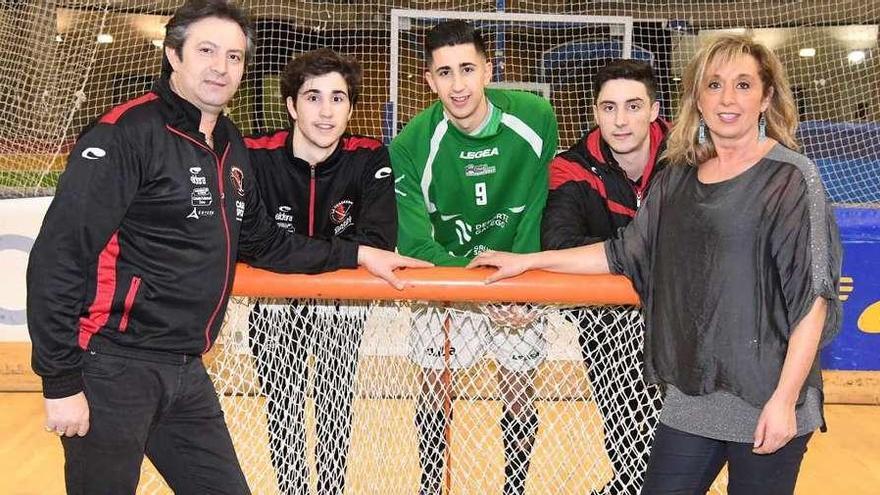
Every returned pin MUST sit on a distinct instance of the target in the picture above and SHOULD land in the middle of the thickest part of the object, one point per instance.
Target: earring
(701, 132)
(762, 128)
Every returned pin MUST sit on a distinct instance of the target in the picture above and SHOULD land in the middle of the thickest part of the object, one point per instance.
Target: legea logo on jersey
(474, 155)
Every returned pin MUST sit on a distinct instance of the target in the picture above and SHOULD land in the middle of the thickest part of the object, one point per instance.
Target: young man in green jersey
(472, 175)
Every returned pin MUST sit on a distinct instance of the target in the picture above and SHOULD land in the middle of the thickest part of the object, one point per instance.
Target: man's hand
(382, 264)
(776, 426)
(68, 416)
(508, 264)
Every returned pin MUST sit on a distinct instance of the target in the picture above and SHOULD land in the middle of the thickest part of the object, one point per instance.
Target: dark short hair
(317, 63)
(633, 70)
(193, 11)
(452, 33)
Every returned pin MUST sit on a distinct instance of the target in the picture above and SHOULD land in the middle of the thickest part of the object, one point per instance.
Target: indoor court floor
(843, 461)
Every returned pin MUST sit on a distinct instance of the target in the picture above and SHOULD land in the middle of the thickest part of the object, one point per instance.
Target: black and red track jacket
(140, 242)
(590, 196)
(349, 195)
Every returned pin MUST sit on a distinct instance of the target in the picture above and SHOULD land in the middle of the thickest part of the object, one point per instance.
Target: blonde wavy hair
(781, 114)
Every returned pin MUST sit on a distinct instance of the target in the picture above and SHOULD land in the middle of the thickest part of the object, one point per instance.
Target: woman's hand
(776, 426)
(508, 264)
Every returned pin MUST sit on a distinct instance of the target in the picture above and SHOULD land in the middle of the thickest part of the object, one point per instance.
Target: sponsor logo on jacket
(201, 198)
(93, 153)
(237, 177)
(474, 155)
(340, 215)
(284, 218)
(239, 209)
(195, 178)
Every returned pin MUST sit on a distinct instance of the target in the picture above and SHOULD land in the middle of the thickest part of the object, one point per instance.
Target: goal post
(309, 327)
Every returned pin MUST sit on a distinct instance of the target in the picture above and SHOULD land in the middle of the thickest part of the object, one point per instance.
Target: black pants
(281, 340)
(685, 464)
(612, 354)
(168, 411)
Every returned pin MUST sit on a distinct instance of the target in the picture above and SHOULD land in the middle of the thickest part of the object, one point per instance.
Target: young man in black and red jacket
(321, 182)
(130, 275)
(595, 188)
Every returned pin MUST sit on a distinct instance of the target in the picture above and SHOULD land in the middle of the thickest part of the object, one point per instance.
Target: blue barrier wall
(857, 347)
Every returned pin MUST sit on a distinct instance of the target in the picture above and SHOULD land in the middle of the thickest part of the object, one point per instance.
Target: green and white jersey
(460, 194)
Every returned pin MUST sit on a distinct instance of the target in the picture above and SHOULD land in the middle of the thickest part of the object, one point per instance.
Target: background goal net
(67, 61)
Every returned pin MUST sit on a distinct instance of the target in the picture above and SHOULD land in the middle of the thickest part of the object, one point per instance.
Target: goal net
(323, 395)
(67, 61)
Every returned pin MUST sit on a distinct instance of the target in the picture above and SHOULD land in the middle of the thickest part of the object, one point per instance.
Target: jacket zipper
(129, 303)
(219, 162)
(312, 201)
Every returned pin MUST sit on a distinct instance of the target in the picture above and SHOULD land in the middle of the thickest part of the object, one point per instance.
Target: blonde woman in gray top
(736, 258)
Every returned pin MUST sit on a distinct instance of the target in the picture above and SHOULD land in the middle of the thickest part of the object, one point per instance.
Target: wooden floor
(846, 460)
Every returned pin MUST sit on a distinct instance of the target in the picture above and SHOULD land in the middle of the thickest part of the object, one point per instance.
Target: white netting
(57, 77)
(291, 372)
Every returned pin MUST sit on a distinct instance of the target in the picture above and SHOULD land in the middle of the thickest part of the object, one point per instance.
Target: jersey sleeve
(566, 221)
(528, 235)
(102, 177)
(415, 231)
(806, 250)
(377, 225)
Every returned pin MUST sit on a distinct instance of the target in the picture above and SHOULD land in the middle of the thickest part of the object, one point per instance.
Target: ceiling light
(158, 43)
(807, 52)
(105, 38)
(856, 56)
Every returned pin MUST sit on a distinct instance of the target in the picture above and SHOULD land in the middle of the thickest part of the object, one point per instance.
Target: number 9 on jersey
(480, 193)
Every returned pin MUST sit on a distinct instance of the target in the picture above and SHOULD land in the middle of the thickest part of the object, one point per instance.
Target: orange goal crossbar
(438, 284)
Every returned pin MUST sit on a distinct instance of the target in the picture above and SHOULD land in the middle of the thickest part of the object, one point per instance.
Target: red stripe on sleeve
(116, 113)
(562, 171)
(270, 142)
(352, 143)
(616, 207)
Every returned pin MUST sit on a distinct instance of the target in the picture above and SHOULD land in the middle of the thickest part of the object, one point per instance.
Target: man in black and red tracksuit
(317, 181)
(130, 275)
(595, 188)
